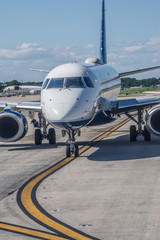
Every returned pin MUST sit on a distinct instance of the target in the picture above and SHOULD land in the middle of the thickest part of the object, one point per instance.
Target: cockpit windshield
(56, 83)
(75, 82)
(45, 83)
(72, 82)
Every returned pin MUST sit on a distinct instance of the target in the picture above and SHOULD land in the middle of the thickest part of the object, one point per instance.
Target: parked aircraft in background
(74, 95)
(22, 89)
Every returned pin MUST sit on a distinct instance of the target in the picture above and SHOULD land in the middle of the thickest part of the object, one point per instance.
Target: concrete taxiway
(111, 191)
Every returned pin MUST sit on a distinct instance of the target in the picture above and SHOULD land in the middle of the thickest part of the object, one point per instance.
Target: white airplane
(75, 95)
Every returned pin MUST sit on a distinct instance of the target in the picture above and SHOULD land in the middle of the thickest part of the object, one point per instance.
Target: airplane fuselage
(71, 92)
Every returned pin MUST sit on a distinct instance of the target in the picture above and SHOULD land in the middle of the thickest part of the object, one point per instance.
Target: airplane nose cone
(65, 105)
(64, 112)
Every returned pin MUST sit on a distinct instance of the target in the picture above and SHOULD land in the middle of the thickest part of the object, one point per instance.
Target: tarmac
(111, 191)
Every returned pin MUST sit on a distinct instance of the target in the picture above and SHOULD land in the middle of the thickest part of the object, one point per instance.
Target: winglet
(103, 51)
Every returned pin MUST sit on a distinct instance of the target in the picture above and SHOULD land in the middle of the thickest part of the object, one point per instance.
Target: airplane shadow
(116, 149)
(31, 146)
(121, 149)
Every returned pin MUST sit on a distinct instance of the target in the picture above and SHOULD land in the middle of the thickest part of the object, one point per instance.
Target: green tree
(13, 83)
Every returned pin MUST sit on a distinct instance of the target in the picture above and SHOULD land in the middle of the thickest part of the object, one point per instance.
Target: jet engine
(153, 120)
(13, 126)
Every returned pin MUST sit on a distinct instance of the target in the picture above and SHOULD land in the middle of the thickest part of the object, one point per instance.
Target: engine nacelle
(13, 126)
(153, 120)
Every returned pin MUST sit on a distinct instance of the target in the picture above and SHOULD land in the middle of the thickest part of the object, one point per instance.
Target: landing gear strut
(40, 135)
(140, 131)
(72, 147)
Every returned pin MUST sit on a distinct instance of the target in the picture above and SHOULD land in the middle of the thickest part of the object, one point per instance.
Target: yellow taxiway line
(29, 204)
(83, 133)
(29, 232)
(27, 201)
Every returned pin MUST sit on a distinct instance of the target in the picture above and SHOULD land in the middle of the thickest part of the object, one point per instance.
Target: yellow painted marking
(36, 213)
(83, 133)
(84, 149)
(95, 130)
(32, 209)
(117, 134)
(28, 204)
(34, 233)
(103, 136)
(25, 139)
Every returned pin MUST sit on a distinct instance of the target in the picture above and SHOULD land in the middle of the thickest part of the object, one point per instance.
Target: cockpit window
(56, 83)
(45, 83)
(88, 82)
(70, 82)
(75, 82)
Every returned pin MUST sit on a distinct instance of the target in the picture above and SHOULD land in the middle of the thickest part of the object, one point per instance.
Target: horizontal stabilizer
(39, 70)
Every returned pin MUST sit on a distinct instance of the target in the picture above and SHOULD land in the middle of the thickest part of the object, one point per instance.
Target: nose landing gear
(72, 147)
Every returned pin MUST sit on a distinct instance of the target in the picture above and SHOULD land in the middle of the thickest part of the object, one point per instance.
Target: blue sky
(45, 33)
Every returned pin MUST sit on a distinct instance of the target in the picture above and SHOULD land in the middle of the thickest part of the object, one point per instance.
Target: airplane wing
(128, 105)
(34, 106)
(124, 74)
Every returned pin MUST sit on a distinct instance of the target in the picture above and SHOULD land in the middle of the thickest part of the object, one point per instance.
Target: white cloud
(134, 48)
(15, 63)
(89, 46)
(154, 41)
(28, 45)
(128, 55)
(112, 55)
(25, 50)
(133, 55)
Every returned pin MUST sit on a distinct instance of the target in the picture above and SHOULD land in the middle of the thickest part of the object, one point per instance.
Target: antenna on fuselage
(103, 50)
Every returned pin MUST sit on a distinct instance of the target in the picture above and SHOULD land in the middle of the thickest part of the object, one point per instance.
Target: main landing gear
(134, 133)
(72, 147)
(40, 135)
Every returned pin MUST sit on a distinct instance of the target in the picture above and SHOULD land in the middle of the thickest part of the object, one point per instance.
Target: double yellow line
(27, 201)
(29, 232)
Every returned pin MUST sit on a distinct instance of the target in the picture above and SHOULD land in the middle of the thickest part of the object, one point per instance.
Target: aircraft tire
(133, 133)
(63, 133)
(68, 151)
(51, 136)
(147, 135)
(79, 133)
(76, 151)
(38, 137)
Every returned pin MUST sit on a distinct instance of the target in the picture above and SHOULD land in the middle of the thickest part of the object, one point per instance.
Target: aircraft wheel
(63, 133)
(78, 133)
(51, 136)
(76, 151)
(133, 133)
(68, 151)
(147, 135)
(38, 137)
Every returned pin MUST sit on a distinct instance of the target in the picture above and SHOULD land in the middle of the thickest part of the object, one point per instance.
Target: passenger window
(75, 82)
(56, 83)
(45, 83)
(88, 82)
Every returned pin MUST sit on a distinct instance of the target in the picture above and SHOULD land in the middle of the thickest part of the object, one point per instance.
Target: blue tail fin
(103, 51)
